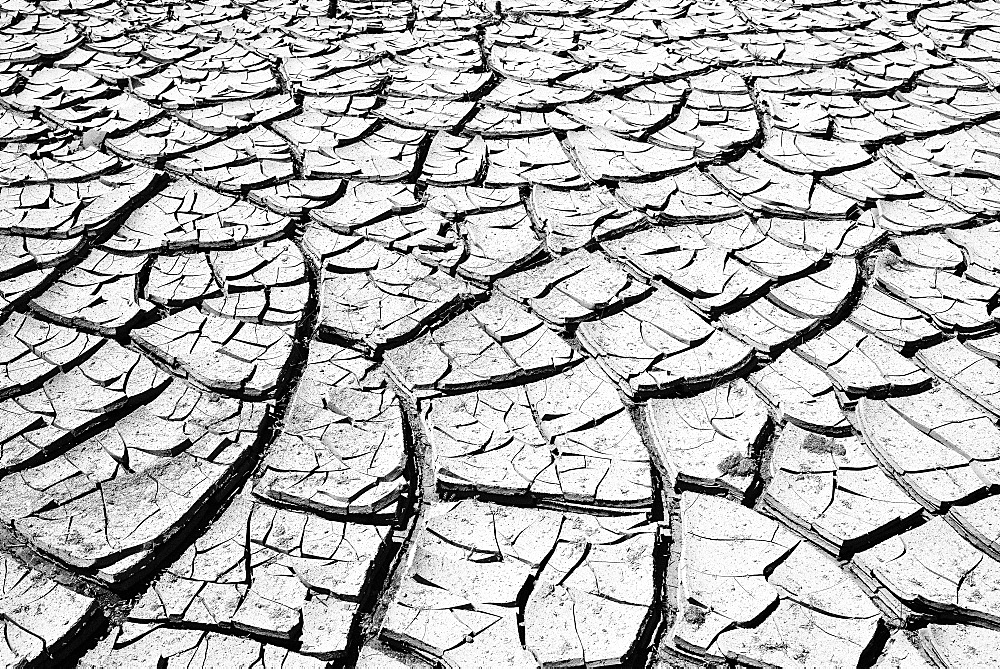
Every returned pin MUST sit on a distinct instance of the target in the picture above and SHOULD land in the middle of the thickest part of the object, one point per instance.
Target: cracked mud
(396, 334)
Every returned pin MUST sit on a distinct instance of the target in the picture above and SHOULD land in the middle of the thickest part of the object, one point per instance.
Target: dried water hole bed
(526, 333)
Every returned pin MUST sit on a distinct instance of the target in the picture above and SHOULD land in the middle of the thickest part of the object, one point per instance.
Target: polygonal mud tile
(127, 490)
(893, 321)
(961, 645)
(99, 294)
(572, 218)
(661, 343)
(44, 619)
(566, 441)
(860, 364)
(832, 490)
(931, 570)
(374, 298)
(592, 596)
(941, 447)
(577, 287)
(709, 442)
(34, 351)
(219, 353)
(189, 216)
(785, 600)
(953, 302)
(342, 451)
(801, 393)
(495, 342)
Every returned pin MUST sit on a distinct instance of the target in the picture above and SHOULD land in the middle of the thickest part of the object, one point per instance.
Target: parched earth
(513, 333)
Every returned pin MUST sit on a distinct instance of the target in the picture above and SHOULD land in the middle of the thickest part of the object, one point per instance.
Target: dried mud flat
(642, 333)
